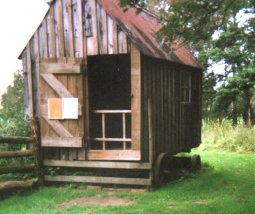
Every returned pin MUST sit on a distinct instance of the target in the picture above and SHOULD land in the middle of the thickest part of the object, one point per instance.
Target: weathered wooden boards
(136, 97)
(14, 185)
(99, 180)
(97, 164)
(9, 185)
(16, 140)
(61, 79)
(77, 28)
(71, 28)
(175, 118)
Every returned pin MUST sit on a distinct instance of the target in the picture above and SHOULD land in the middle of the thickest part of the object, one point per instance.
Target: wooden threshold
(96, 164)
(127, 155)
(99, 180)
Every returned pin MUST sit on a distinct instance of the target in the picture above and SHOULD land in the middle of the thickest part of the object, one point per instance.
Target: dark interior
(109, 89)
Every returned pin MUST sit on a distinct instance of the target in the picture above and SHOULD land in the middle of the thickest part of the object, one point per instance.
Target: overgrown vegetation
(218, 32)
(12, 119)
(222, 135)
(14, 123)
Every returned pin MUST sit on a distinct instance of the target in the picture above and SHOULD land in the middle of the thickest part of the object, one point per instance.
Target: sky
(18, 21)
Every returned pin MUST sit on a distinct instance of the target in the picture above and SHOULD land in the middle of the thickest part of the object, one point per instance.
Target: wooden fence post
(37, 150)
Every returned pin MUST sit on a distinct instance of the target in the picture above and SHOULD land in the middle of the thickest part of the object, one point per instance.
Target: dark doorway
(110, 101)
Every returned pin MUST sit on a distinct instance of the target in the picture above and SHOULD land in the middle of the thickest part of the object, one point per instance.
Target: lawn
(226, 184)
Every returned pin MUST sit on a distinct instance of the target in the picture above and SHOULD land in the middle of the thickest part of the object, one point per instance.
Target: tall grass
(223, 136)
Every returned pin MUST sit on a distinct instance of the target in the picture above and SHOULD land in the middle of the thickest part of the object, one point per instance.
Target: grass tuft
(223, 136)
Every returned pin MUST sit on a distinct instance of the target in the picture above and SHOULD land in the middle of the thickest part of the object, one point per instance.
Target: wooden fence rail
(16, 140)
(31, 152)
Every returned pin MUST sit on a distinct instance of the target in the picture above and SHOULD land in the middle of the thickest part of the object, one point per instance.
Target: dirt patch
(171, 206)
(96, 200)
(200, 202)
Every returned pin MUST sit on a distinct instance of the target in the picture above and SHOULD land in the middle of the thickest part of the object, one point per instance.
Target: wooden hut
(108, 94)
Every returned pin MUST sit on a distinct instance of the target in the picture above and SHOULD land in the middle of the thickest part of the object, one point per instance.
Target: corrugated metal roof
(141, 28)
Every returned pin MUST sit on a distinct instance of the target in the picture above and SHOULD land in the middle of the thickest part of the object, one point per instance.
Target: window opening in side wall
(185, 87)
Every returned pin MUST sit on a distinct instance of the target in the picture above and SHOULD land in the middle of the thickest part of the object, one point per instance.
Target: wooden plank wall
(161, 86)
(70, 29)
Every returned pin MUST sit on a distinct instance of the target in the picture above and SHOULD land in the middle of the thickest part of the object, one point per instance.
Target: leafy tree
(12, 118)
(219, 31)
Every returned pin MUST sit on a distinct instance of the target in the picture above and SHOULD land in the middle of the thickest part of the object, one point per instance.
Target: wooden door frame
(135, 153)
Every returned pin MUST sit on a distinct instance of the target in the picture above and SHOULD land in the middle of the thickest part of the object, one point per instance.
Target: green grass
(226, 184)
(223, 136)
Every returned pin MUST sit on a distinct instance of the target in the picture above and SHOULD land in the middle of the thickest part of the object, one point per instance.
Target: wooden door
(58, 82)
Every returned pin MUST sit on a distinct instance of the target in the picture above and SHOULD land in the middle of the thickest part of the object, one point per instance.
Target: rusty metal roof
(141, 28)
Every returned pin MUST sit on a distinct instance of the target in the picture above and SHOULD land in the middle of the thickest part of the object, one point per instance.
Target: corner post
(135, 98)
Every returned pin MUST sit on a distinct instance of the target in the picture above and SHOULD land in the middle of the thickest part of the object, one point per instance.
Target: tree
(218, 31)
(12, 118)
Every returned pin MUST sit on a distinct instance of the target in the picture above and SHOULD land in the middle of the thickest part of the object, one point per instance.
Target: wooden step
(97, 164)
(99, 180)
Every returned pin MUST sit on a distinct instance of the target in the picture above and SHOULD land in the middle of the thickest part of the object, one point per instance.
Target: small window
(185, 87)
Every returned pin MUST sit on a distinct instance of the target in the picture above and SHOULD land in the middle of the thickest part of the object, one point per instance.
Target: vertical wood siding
(175, 124)
(70, 29)
(73, 28)
(81, 28)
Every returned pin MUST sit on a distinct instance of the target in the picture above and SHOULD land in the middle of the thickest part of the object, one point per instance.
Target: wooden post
(136, 97)
(124, 130)
(150, 140)
(37, 150)
(103, 130)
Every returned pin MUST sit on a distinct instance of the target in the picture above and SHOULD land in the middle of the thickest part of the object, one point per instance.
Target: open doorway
(110, 102)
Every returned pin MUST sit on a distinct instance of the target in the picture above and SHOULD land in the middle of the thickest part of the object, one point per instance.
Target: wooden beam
(56, 85)
(124, 130)
(97, 164)
(113, 155)
(99, 180)
(52, 34)
(92, 41)
(9, 185)
(30, 81)
(111, 111)
(113, 139)
(68, 142)
(103, 129)
(58, 128)
(59, 68)
(44, 39)
(60, 28)
(16, 140)
(14, 154)
(77, 28)
(136, 98)
(14, 169)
